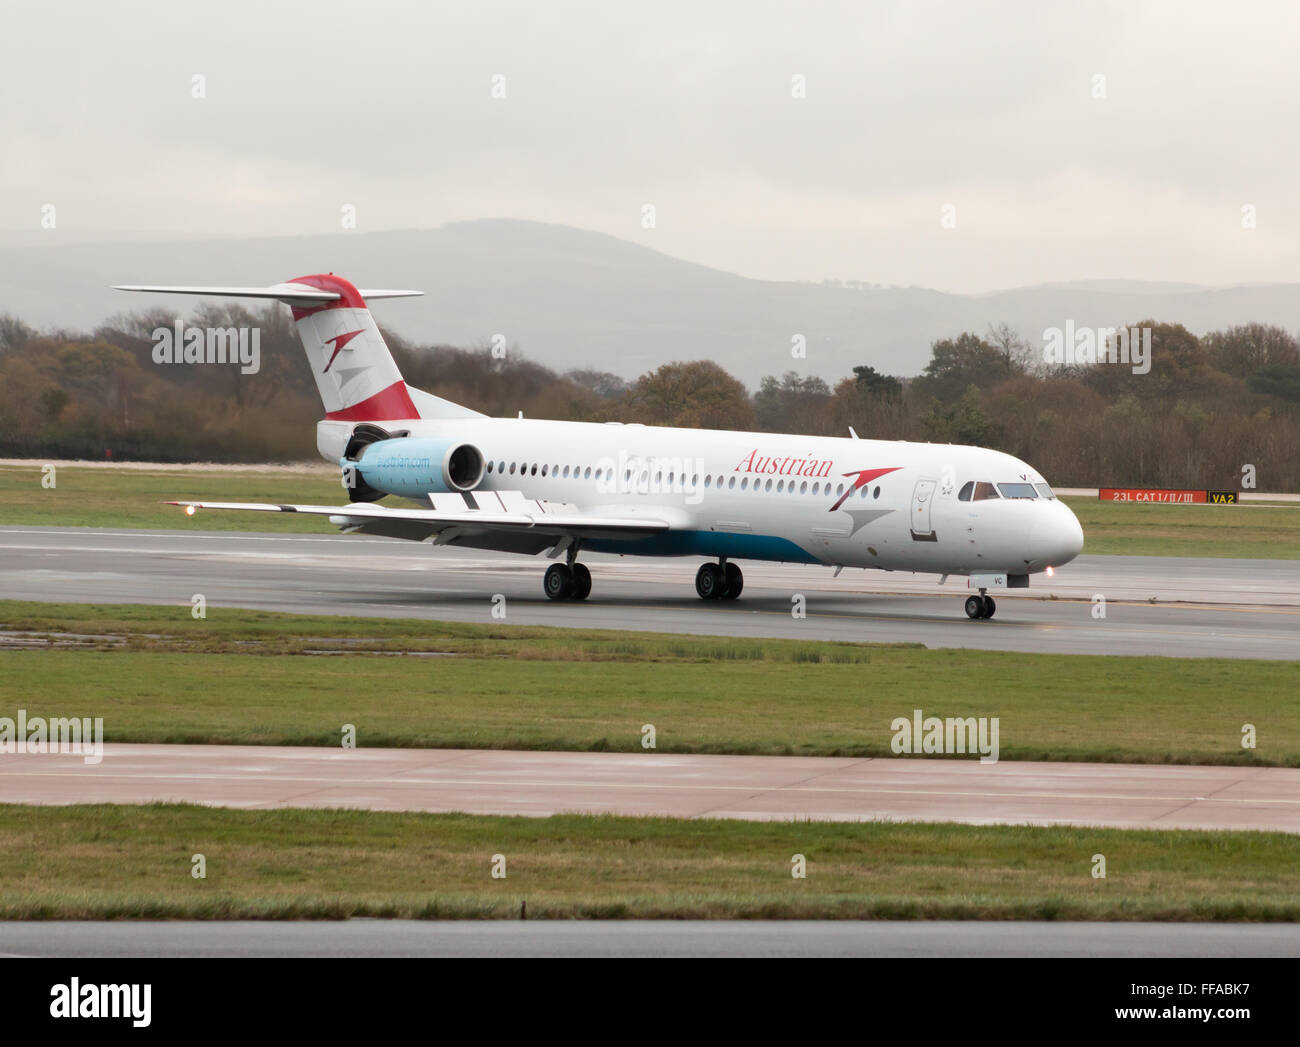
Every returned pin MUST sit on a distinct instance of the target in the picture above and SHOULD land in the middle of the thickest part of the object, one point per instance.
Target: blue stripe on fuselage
(706, 543)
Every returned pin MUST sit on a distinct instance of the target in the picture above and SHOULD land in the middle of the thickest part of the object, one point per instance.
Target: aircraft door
(922, 501)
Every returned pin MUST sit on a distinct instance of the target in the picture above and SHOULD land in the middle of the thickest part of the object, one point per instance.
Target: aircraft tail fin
(355, 373)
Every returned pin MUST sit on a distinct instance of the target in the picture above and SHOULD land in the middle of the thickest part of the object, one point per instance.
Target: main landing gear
(980, 606)
(719, 581)
(564, 581)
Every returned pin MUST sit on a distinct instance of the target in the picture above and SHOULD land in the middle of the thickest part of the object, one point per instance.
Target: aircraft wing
(463, 515)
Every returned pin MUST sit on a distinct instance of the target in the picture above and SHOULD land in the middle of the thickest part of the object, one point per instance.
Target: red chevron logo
(342, 340)
(864, 477)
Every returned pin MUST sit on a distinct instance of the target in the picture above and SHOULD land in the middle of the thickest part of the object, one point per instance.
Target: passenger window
(984, 491)
(964, 494)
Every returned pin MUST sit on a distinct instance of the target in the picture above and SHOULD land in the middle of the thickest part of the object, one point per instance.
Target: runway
(785, 939)
(1172, 606)
(755, 788)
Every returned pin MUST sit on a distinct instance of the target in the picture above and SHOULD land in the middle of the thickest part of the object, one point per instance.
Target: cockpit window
(964, 494)
(984, 491)
(1017, 490)
(1044, 490)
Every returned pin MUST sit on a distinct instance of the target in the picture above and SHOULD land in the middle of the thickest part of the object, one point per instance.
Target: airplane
(529, 486)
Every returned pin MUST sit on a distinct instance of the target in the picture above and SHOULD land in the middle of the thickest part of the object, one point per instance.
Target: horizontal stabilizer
(289, 292)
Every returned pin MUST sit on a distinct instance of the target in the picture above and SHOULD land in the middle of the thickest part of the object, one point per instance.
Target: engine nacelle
(416, 466)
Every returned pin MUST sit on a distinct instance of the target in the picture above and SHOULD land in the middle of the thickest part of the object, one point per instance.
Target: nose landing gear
(981, 606)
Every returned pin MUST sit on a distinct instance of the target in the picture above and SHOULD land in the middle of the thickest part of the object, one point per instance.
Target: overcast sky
(689, 107)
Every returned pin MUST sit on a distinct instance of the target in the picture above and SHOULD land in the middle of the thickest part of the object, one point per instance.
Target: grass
(120, 497)
(1247, 531)
(243, 677)
(113, 862)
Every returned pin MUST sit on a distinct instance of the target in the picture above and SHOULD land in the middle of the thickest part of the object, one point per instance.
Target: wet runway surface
(1153, 605)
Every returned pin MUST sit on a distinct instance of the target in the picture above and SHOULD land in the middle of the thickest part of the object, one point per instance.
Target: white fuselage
(893, 505)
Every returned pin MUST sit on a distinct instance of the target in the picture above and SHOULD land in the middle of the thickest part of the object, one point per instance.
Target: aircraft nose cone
(1058, 538)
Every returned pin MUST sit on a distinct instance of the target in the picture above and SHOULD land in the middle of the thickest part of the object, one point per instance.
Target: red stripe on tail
(393, 402)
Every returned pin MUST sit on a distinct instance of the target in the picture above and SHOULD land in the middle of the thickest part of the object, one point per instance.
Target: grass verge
(1246, 531)
(115, 862)
(157, 675)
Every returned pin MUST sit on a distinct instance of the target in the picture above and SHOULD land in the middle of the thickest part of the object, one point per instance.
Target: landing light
(1050, 571)
(189, 510)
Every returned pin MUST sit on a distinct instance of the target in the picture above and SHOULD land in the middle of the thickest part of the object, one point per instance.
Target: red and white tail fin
(356, 375)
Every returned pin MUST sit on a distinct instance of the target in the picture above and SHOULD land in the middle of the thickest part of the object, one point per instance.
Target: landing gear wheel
(558, 581)
(581, 582)
(974, 607)
(989, 607)
(735, 581)
(709, 582)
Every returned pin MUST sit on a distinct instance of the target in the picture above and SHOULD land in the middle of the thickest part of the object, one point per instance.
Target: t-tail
(355, 373)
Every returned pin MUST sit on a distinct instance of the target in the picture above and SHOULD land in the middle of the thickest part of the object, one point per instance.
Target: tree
(694, 395)
(13, 333)
(958, 363)
(869, 380)
(1019, 354)
(792, 404)
(965, 422)
(604, 384)
(1243, 350)
(53, 400)
(1277, 380)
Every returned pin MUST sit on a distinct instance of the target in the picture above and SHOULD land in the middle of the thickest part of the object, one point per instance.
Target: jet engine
(415, 466)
